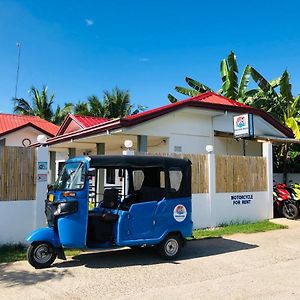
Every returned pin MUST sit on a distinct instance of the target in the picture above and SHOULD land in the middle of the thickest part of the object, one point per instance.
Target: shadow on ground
(27, 276)
(14, 274)
(118, 258)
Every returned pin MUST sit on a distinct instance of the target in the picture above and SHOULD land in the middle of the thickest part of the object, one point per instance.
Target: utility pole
(18, 45)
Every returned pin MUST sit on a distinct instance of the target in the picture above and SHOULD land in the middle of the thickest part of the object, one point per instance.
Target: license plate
(51, 198)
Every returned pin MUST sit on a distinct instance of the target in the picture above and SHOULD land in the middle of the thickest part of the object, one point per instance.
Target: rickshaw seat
(109, 217)
(110, 198)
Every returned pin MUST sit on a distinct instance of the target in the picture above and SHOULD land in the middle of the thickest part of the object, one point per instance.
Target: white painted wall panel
(15, 138)
(17, 219)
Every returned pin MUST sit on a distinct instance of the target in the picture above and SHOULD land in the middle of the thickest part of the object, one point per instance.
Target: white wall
(19, 218)
(201, 211)
(193, 129)
(190, 129)
(293, 177)
(15, 138)
(213, 209)
(261, 127)
(227, 209)
(230, 146)
(223, 209)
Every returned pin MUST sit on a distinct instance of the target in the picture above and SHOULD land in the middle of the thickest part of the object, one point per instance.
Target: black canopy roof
(133, 161)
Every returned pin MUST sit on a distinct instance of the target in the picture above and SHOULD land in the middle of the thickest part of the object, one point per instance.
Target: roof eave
(25, 125)
(85, 132)
(114, 124)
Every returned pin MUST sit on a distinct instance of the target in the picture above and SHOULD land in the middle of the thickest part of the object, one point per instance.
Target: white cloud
(144, 59)
(89, 22)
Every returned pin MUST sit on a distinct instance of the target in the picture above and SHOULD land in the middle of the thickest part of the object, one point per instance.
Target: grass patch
(17, 252)
(10, 253)
(232, 228)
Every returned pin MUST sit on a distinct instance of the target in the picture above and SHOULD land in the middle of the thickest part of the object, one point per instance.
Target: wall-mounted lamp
(128, 144)
(209, 148)
(41, 138)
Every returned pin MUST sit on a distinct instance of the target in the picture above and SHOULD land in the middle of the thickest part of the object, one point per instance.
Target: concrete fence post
(268, 154)
(212, 187)
(42, 172)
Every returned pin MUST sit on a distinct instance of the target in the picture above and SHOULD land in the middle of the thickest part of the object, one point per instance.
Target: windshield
(72, 177)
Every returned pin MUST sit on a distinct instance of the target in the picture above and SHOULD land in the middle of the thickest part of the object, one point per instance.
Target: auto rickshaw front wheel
(41, 255)
(171, 246)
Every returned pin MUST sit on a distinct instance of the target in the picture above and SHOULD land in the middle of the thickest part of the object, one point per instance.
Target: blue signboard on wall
(243, 126)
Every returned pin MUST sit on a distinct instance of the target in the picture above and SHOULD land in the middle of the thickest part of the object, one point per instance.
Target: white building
(183, 127)
(22, 131)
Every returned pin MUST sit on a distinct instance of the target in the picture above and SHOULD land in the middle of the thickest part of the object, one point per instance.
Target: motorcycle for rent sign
(241, 199)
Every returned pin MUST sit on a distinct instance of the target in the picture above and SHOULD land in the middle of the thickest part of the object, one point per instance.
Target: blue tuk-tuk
(107, 201)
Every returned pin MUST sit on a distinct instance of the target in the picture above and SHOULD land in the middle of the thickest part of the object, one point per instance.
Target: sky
(80, 48)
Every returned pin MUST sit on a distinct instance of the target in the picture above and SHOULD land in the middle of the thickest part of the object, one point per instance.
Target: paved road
(254, 266)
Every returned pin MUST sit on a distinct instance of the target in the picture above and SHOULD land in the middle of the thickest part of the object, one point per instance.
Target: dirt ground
(254, 266)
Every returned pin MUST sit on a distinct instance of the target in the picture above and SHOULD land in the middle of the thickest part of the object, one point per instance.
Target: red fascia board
(85, 132)
(238, 109)
(137, 119)
(25, 125)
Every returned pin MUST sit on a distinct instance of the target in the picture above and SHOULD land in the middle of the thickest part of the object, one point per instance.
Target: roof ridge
(81, 116)
(22, 116)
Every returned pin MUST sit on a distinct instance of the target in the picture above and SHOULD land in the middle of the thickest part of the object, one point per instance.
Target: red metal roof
(75, 122)
(88, 121)
(207, 100)
(208, 97)
(10, 123)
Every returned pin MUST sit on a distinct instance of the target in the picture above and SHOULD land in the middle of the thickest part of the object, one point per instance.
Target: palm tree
(115, 104)
(81, 108)
(42, 106)
(60, 113)
(96, 106)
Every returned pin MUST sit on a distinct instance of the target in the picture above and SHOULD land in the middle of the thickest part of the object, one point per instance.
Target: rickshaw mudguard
(46, 234)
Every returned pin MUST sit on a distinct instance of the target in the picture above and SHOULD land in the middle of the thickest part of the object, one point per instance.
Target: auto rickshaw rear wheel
(171, 246)
(41, 255)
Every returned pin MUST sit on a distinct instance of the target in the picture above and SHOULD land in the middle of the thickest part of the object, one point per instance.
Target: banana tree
(232, 87)
(286, 108)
